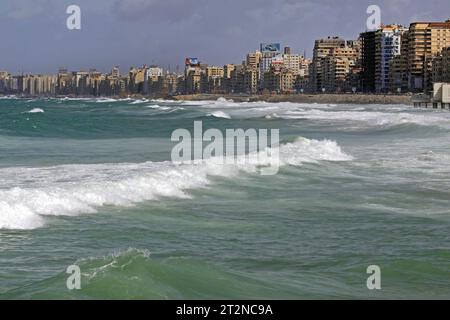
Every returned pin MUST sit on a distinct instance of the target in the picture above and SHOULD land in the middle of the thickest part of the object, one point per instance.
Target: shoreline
(295, 98)
(304, 98)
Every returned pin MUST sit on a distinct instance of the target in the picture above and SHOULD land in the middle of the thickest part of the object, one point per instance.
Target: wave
(139, 101)
(157, 106)
(36, 110)
(75, 189)
(367, 115)
(149, 278)
(373, 118)
(220, 114)
(254, 105)
(105, 100)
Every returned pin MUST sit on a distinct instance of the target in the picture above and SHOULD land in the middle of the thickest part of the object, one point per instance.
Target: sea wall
(307, 98)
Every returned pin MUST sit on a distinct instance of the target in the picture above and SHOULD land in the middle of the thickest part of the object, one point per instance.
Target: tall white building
(388, 41)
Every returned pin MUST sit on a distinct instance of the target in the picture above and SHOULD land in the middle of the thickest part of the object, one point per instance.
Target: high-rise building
(426, 40)
(279, 80)
(322, 49)
(212, 79)
(368, 56)
(292, 62)
(398, 70)
(253, 60)
(337, 67)
(193, 76)
(227, 75)
(441, 67)
(4, 81)
(388, 40)
(115, 72)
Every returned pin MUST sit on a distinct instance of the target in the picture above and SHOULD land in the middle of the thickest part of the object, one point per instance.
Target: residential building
(322, 49)
(441, 67)
(388, 40)
(426, 40)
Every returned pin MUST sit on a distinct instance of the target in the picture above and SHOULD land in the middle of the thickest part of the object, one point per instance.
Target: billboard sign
(192, 62)
(278, 59)
(270, 47)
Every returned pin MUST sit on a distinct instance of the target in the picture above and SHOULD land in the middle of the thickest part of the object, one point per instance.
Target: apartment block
(426, 40)
(441, 67)
(322, 49)
(388, 41)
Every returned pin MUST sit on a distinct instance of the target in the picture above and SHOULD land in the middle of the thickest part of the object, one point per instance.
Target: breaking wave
(373, 118)
(70, 190)
(362, 116)
(36, 110)
(220, 114)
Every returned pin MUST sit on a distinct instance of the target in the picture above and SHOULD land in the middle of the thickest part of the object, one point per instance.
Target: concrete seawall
(306, 98)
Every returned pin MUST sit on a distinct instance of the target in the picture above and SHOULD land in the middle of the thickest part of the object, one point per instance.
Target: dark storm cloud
(133, 32)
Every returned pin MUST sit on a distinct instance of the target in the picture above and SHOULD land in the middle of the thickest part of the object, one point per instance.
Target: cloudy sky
(133, 32)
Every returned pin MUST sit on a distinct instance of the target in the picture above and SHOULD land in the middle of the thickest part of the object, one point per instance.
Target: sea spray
(128, 184)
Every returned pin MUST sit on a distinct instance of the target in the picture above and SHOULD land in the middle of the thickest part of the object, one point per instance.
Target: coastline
(304, 98)
(295, 98)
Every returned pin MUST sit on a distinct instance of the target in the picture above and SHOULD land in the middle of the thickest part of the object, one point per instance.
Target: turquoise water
(90, 182)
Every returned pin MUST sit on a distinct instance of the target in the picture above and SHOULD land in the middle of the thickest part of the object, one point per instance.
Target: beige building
(280, 80)
(228, 69)
(4, 81)
(253, 60)
(250, 80)
(337, 67)
(193, 80)
(322, 49)
(293, 62)
(426, 40)
(212, 77)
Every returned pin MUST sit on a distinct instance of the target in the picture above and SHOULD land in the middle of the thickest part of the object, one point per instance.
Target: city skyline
(39, 42)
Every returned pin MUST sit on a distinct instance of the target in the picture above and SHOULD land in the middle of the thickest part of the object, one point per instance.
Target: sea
(90, 183)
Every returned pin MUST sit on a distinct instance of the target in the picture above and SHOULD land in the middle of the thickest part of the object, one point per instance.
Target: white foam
(75, 189)
(8, 97)
(106, 100)
(36, 110)
(367, 115)
(220, 114)
(158, 107)
(139, 101)
(373, 118)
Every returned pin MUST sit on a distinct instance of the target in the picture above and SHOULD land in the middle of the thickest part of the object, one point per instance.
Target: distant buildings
(397, 59)
(323, 48)
(334, 65)
(425, 41)
(265, 70)
(269, 53)
(379, 49)
(392, 59)
(441, 67)
(388, 42)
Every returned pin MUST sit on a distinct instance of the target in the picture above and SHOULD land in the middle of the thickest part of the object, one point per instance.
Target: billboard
(278, 59)
(270, 47)
(192, 62)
